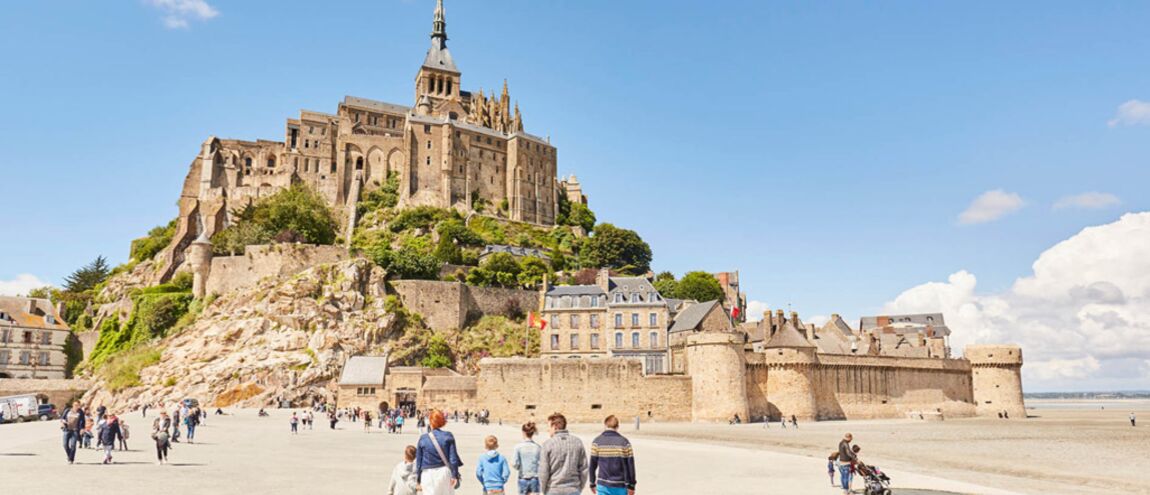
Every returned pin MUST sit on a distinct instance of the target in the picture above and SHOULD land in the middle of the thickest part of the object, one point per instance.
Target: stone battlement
(993, 355)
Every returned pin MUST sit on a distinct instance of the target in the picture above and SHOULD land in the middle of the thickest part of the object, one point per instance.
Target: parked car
(46, 412)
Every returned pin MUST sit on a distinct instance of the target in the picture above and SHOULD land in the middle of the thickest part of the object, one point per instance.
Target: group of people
(558, 466)
(845, 460)
(79, 426)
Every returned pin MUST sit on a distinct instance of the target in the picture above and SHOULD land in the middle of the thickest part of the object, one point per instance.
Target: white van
(19, 408)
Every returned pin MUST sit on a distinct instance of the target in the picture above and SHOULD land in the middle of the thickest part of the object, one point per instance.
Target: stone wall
(445, 305)
(863, 387)
(59, 392)
(584, 390)
(230, 273)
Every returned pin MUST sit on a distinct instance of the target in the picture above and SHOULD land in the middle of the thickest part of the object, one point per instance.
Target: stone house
(32, 339)
(361, 384)
(369, 383)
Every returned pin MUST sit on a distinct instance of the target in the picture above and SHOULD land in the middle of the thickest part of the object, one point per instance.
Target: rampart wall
(230, 273)
(445, 305)
(59, 392)
(584, 390)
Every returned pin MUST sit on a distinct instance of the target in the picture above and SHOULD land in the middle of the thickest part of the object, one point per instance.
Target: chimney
(603, 279)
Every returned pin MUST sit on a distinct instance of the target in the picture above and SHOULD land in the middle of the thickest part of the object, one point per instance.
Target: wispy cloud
(179, 13)
(1133, 112)
(1092, 200)
(990, 206)
(20, 285)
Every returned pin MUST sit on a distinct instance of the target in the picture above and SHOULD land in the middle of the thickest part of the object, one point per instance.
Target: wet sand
(1064, 447)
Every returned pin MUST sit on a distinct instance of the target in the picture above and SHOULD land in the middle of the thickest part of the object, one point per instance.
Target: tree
(581, 216)
(532, 270)
(88, 276)
(409, 263)
(438, 353)
(666, 284)
(498, 270)
(145, 248)
(298, 209)
(613, 247)
(700, 286)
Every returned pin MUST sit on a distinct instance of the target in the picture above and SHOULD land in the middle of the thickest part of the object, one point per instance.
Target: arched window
(272, 162)
(449, 81)
(359, 163)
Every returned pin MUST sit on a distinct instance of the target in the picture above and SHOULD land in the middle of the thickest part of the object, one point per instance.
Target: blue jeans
(70, 440)
(191, 431)
(529, 486)
(845, 474)
(609, 490)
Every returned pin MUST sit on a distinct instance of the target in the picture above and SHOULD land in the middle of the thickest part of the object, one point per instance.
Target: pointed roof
(692, 316)
(788, 336)
(438, 57)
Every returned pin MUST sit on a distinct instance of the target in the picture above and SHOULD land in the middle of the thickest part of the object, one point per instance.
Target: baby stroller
(877, 482)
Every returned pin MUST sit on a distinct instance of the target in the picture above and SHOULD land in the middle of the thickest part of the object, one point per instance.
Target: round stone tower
(718, 376)
(996, 379)
(790, 360)
(200, 261)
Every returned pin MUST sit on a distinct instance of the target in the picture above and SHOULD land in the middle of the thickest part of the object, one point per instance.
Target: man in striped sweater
(612, 462)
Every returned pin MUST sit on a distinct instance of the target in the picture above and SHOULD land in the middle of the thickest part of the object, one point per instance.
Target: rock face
(284, 339)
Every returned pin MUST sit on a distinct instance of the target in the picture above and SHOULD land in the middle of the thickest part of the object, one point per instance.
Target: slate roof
(788, 336)
(575, 290)
(16, 313)
(691, 316)
(381, 106)
(514, 251)
(831, 341)
(439, 57)
(932, 324)
(364, 370)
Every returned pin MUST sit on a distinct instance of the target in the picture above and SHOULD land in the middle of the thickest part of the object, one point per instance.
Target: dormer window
(618, 297)
(635, 298)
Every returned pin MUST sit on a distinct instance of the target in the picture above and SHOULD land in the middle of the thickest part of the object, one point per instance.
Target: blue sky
(824, 149)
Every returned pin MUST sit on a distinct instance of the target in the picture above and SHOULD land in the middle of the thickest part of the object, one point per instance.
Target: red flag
(735, 313)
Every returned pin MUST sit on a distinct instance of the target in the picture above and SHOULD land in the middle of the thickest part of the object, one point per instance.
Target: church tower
(438, 79)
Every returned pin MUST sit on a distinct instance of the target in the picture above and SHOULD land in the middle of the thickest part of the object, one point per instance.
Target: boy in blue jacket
(492, 469)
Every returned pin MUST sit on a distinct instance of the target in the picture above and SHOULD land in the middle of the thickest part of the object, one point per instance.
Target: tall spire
(439, 27)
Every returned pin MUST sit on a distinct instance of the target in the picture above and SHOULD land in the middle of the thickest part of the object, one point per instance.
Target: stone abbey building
(450, 148)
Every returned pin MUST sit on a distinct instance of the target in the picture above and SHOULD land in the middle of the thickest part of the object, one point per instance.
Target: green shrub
(123, 371)
(386, 196)
(295, 213)
(146, 248)
(420, 217)
(438, 354)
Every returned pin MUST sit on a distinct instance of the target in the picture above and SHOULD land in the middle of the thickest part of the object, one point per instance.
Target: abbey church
(451, 148)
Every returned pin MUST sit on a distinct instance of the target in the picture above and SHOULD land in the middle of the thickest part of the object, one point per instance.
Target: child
(492, 469)
(403, 479)
(831, 466)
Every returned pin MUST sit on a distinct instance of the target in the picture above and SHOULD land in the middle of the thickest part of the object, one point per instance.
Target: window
(554, 321)
(359, 163)
(555, 342)
(27, 337)
(3, 357)
(618, 297)
(272, 162)
(634, 319)
(429, 160)
(574, 321)
(594, 341)
(594, 321)
(618, 320)
(635, 339)
(654, 340)
(574, 341)
(4, 336)
(25, 358)
(635, 297)
(653, 319)
(428, 144)
(618, 340)
(653, 297)
(594, 301)
(43, 358)
(45, 338)
(427, 129)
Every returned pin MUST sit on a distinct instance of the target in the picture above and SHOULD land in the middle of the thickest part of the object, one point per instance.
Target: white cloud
(817, 320)
(755, 310)
(20, 285)
(178, 13)
(990, 206)
(1133, 112)
(1088, 200)
(1082, 316)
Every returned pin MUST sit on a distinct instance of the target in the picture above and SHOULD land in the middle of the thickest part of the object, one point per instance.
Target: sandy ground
(245, 454)
(1064, 447)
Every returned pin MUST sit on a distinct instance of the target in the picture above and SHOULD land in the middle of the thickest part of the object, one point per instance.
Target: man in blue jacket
(492, 469)
(612, 462)
(72, 422)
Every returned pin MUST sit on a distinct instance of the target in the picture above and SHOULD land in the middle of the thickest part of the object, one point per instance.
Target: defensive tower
(996, 379)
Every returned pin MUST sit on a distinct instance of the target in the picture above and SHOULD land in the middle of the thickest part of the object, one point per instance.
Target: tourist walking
(437, 461)
(491, 469)
(1133, 419)
(162, 438)
(831, 466)
(294, 424)
(845, 459)
(403, 481)
(794, 422)
(612, 466)
(562, 460)
(108, 435)
(191, 421)
(366, 421)
(176, 424)
(72, 423)
(123, 434)
(527, 461)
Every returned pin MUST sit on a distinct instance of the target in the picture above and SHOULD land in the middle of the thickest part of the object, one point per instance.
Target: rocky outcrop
(284, 339)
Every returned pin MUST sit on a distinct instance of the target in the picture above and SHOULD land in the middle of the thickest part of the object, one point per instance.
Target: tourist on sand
(108, 436)
(562, 461)
(332, 419)
(399, 423)
(144, 411)
(163, 440)
(844, 461)
(1132, 419)
(123, 434)
(72, 423)
(491, 469)
(527, 461)
(436, 460)
(366, 421)
(612, 462)
(310, 420)
(191, 421)
(794, 422)
(403, 480)
(176, 424)
(831, 466)
(294, 424)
